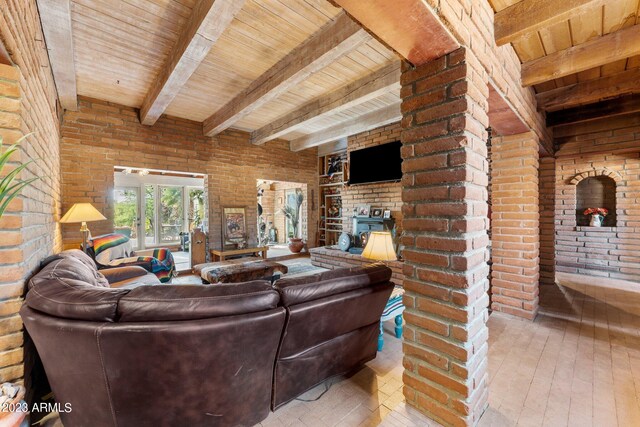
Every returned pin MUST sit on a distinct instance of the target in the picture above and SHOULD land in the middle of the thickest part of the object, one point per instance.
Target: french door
(127, 214)
(154, 214)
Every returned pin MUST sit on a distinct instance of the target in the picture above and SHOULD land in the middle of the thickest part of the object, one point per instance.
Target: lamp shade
(380, 247)
(82, 212)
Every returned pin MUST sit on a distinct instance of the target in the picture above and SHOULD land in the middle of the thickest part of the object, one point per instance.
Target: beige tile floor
(577, 364)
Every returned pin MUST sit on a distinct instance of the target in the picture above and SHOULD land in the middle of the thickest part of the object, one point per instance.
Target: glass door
(195, 202)
(150, 215)
(127, 214)
(171, 214)
(291, 200)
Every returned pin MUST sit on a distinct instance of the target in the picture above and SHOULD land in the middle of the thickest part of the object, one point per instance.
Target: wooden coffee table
(221, 254)
(238, 270)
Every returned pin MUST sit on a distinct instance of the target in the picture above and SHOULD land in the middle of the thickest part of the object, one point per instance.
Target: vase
(596, 220)
(295, 245)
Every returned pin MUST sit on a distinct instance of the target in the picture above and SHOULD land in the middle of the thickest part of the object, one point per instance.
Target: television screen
(376, 164)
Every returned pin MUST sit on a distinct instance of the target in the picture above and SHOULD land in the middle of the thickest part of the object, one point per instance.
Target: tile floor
(577, 364)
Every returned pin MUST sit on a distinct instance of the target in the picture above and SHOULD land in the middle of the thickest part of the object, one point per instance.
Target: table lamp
(380, 247)
(82, 212)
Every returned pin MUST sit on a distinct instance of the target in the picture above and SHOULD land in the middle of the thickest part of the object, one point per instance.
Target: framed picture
(386, 214)
(234, 226)
(376, 212)
(362, 211)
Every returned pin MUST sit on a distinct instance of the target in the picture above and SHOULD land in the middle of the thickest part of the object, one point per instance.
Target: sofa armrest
(144, 264)
(144, 252)
(298, 290)
(119, 274)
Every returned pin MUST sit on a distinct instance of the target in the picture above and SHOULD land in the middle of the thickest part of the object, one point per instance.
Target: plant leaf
(12, 194)
(4, 157)
(4, 184)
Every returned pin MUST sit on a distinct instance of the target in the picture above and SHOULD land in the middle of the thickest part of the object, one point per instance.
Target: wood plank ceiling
(122, 46)
(600, 39)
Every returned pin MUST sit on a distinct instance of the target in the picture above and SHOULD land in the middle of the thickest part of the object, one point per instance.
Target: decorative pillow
(110, 247)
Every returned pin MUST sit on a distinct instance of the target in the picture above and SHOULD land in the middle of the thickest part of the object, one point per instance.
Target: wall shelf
(330, 197)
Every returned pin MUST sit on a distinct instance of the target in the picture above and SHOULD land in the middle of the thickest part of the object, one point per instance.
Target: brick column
(445, 236)
(515, 225)
(12, 255)
(547, 189)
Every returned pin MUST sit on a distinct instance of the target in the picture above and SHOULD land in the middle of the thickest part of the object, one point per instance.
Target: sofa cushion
(67, 288)
(126, 273)
(189, 302)
(297, 290)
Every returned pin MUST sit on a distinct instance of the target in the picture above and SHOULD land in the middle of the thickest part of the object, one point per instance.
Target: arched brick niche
(596, 189)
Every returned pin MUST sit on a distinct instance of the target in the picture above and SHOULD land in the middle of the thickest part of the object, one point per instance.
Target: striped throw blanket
(394, 304)
(114, 250)
(162, 263)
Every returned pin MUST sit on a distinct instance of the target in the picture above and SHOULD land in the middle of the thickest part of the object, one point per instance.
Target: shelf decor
(331, 180)
(597, 216)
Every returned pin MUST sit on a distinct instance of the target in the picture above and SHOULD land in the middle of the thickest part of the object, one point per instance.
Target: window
(155, 208)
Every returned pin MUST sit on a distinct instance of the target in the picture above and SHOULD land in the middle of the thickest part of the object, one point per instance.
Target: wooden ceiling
(302, 69)
(574, 52)
(201, 59)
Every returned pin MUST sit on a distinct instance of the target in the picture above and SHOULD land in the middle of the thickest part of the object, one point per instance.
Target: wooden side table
(221, 254)
(393, 310)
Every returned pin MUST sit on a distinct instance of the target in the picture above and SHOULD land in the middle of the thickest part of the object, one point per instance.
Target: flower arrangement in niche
(597, 216)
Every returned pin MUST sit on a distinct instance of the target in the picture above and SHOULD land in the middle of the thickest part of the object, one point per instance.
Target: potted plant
(293, 215)
(597, 216)
(10, 188)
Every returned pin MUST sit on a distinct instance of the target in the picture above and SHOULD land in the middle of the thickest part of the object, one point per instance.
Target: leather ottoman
(238, 270)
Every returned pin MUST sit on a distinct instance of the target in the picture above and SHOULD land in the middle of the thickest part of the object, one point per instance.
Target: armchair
(114, 250)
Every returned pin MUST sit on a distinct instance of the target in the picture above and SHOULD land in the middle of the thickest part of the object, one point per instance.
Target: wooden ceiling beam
(55, 17)
(624, 83)
(5, 58)
(372, 120)
(365, 89)
(337, 38)
(208, 20)
(613, 107)
(528, 16)
(410, 27)
(603, 50)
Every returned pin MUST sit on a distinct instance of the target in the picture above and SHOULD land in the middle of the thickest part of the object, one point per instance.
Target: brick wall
(603, 147)
(515, 225)
(385, 195)
(471, 23)
(29, 230)
(444, 104)
(101, 135)
(546, 188)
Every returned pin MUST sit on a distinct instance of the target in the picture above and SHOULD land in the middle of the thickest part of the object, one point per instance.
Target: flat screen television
(381, 163)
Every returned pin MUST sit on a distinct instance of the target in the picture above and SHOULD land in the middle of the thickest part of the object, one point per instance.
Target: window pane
(196, 208)
(126, 213)
(171, 214)
(150, 216)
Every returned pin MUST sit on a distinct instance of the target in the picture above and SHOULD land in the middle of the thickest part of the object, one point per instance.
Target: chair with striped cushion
(393, 310)
(114, 250)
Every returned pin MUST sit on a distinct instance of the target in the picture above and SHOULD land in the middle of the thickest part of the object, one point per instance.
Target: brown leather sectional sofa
(218, 355)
